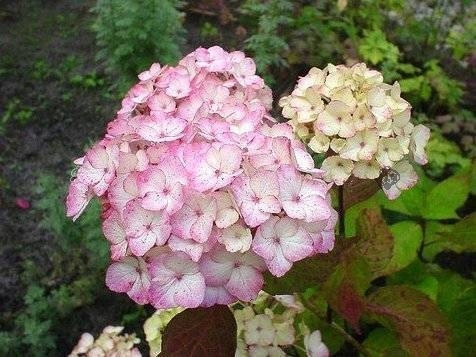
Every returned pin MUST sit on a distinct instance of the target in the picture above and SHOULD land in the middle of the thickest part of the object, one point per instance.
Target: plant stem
(329, 315)
(337, 328)
(422, 244)
(341, 210)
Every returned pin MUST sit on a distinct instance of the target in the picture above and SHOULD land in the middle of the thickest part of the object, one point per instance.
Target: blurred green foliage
(406, 40)
(15, 112)
(132, 35)
(73, 280)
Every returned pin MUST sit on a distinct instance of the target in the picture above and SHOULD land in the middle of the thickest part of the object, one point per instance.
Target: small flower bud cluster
(109, 344)
(361, 123)
(200, 193)
(262, 331)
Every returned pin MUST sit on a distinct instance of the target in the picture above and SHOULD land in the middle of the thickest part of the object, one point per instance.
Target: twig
(337, 328)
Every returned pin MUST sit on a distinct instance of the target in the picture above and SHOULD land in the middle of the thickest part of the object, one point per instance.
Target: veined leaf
(201, 332)
(375, 241)
(420, 326)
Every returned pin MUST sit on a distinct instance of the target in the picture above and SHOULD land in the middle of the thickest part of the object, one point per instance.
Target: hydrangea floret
(201, 191)
(110, 343)
(360, 123)
(267, 327)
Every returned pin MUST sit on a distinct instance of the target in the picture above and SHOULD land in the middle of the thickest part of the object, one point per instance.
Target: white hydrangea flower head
(110, 343)
(360, 123)
(267, 326)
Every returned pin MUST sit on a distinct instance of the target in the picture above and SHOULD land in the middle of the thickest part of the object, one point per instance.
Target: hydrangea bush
(205, 196)
(360, 123)
(201, 191)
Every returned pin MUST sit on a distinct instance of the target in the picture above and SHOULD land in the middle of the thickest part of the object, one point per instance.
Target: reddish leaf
(357, 190)
(375, 242)
(420, 326)
(201, 332)
(346, 286)
(350, 304)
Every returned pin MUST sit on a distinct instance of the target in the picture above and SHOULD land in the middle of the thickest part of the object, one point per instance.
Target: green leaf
(473, 178)
(464, 233)
(418, 276)
(458, 238)
(407, 239)
(201, 332)
(435, 233)
(457, 299)
(420, 326)
(447, 196)
(353, 213)
(383, 343)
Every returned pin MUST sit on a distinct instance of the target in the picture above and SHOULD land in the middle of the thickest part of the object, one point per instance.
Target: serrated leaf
(200, 332)
(375, 241)
(420, 326)
(447, 196)
(407, 237)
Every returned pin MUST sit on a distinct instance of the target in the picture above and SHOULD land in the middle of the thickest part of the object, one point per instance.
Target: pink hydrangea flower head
(194, 174)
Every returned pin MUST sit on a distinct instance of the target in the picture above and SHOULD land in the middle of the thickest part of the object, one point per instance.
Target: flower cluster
(263, 331)
(361, 123)
(109, 344)
(200, 193)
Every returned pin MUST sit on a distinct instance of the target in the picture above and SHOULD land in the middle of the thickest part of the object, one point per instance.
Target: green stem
(422, 244)
(341, 211)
